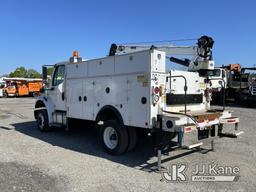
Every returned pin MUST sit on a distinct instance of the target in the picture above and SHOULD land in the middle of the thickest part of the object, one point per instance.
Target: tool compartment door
(138, 101)
(88, 99)
(74, 98)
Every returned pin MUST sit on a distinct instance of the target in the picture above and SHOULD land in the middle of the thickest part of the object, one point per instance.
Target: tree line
(26, 73)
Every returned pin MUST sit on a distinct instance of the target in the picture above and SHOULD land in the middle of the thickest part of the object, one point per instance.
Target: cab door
(56, 93)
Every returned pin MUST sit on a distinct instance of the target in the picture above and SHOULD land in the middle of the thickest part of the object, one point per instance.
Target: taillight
(157, 90)
(188, 129)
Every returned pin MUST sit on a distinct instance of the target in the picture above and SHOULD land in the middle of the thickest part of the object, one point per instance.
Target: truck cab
(10, 89)
(239, 83)
(217, 78)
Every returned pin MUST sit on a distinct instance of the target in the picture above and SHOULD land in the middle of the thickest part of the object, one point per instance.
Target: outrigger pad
(231, 135)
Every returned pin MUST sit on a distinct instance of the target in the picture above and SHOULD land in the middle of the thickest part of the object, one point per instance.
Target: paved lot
(74, 161)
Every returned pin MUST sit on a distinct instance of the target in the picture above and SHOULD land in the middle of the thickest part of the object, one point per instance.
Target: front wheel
(42, 121)
(114, 137)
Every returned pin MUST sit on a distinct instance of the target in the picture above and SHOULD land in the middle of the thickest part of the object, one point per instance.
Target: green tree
(31, 73)
(23, 72)
(50, 70)
(19, 72)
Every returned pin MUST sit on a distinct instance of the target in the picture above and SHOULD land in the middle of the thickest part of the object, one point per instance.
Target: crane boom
(201, 54)
(169, 50)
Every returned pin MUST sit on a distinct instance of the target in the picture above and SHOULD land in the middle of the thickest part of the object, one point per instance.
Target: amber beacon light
(75, 53)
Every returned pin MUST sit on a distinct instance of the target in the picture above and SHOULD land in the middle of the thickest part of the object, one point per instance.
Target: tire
(114, 137)
(133, 138)
(5, 95)
(42, 121)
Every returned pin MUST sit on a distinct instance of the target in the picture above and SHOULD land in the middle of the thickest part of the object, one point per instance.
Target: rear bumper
(11, 94)
(172, 122)
(199, 128)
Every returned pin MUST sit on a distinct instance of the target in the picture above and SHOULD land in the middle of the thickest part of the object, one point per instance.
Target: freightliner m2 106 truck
(131, 89)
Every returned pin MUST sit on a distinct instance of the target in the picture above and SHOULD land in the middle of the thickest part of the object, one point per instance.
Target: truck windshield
(214, 73)
(2, 85)
(210, 73)
(252, 78)
(241, 77)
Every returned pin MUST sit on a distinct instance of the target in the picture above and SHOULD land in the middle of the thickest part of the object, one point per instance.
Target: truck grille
(253, 90)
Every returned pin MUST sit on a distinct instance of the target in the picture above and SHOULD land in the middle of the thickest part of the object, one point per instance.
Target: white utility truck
(132, 89)
(233, 83)
(2, 85)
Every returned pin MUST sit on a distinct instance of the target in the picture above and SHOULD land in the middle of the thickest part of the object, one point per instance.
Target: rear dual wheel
(116, 138)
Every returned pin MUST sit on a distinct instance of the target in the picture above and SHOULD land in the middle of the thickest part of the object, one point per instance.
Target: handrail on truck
(185, 88)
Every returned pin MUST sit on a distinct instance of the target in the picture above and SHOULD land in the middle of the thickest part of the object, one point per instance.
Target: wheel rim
(110, 137)
(41, 121)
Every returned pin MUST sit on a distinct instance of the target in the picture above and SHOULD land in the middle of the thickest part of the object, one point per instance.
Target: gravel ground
(74, 161)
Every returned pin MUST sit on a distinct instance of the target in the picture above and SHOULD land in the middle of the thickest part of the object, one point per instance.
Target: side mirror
(44, 73)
